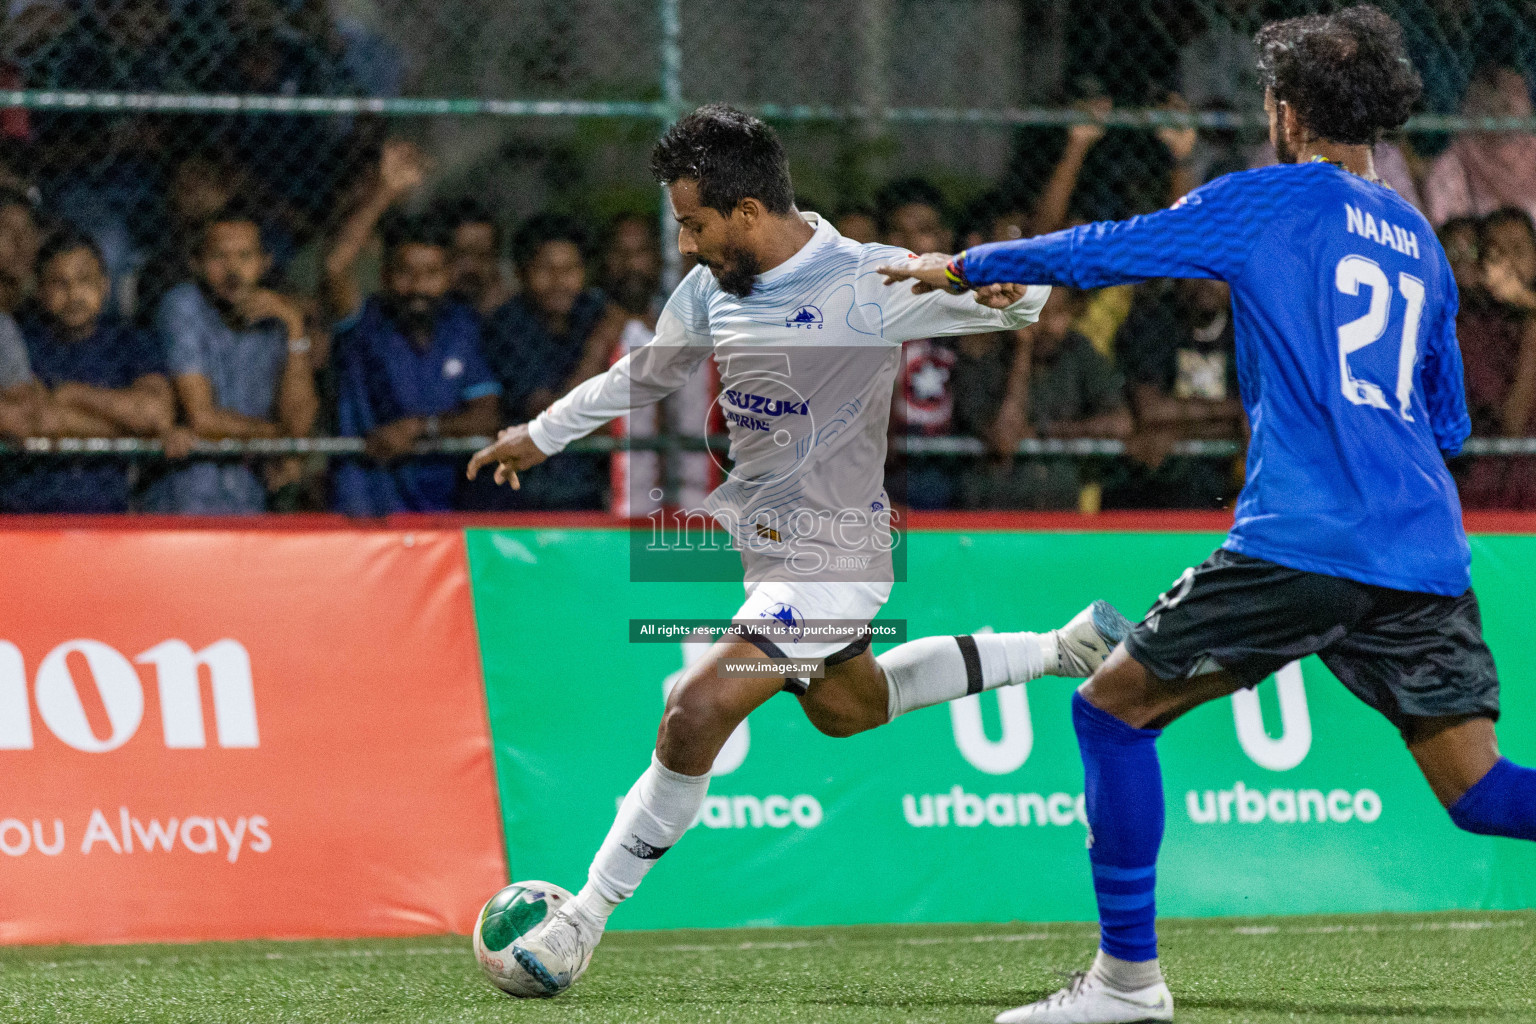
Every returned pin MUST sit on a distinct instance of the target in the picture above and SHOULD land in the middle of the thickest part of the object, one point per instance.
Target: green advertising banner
(1294, 798)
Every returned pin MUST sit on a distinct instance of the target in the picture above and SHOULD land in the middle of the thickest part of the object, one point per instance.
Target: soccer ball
(520, 908)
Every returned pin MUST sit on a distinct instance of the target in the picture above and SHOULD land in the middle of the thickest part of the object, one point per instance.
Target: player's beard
(735, 271)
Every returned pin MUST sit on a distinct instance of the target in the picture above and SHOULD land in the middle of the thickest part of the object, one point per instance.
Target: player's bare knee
(692, 717)
(1454, 753)
(1124, 688)
(838, 713)
(833, 722)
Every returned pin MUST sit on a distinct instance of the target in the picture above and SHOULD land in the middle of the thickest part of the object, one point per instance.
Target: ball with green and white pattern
(515, 911)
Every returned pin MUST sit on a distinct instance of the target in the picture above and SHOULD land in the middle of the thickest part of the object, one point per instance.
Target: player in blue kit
(1348, 541)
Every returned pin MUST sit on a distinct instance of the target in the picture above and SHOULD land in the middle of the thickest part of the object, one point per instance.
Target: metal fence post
(672, 104)
(671, 259)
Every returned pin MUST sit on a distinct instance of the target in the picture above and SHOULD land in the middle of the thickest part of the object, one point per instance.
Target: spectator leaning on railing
(1178, 354)
(1045, 380)
(558, 330)
(1497, 332)
(102, 378)
(544, 341)
(238, 353)
(409, 361)
(409, 368)
(200, 186)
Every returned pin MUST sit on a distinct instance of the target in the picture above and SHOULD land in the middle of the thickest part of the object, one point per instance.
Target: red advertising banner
(237, 734)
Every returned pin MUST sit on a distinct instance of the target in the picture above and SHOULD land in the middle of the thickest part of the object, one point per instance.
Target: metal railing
(135, 447)
(665, 110)
(670, 105)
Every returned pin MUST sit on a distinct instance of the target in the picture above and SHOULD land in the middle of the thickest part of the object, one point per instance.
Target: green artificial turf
(1445, 967)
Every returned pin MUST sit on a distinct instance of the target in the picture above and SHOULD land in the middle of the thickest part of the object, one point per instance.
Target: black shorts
(1408, 655)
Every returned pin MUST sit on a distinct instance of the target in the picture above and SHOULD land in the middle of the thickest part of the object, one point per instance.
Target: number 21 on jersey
(1353, 273)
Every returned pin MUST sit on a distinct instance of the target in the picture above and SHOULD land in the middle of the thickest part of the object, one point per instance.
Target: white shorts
(798, 604)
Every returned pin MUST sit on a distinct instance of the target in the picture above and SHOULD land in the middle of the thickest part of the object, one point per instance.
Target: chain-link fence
(928, 123)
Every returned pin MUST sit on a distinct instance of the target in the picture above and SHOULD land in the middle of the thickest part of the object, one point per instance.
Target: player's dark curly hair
(1347, 75)
(731, 154)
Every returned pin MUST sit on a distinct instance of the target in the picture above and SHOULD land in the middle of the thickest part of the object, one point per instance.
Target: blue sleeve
(354, 412)
(1208, 233)
(1445, 390)
(350, 321)
(478, 379)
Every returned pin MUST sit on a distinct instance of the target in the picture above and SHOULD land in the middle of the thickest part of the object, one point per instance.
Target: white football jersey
(806, 365)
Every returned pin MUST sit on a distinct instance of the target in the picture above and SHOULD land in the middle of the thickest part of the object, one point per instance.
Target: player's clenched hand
(514, 450)
(926, 272)
(999, 296)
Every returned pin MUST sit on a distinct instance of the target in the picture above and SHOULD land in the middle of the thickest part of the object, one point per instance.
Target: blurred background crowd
(195, 272)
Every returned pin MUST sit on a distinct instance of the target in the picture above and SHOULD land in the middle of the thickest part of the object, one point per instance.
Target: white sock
(658, 809)
(1126, 975)
(936, 669)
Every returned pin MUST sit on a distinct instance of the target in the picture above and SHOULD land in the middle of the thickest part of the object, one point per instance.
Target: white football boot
(557, 953)
(1084, 643)
(1088, 1000)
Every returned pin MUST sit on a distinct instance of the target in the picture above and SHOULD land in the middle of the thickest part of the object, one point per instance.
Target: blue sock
(1124, 796)
(1501, 803)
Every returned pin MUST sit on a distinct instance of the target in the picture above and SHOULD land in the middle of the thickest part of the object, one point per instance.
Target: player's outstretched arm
(642, 377)
(930, 273)
(1208, 233)
(935, 305)
(513, 451)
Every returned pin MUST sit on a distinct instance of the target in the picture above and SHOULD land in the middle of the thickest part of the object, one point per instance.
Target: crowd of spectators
(416, 331)
(1155, 364)
(366, 308)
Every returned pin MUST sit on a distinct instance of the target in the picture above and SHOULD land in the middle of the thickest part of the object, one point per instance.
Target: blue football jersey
(1345, 313)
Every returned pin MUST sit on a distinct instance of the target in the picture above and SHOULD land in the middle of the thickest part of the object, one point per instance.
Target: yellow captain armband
(953, 278)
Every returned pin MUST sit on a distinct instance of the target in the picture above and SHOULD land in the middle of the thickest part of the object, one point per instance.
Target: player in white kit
(807, 340)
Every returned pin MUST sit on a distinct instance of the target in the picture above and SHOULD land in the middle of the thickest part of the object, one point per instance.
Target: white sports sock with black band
(659, 808)
(936, 669)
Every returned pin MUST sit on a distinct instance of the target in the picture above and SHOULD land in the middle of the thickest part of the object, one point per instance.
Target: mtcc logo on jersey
(807, 317)
(787, 615)
(60, 681)
(453, 367)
